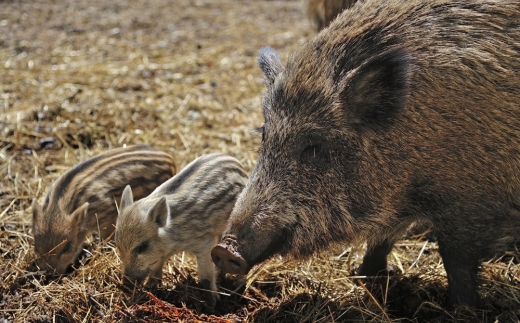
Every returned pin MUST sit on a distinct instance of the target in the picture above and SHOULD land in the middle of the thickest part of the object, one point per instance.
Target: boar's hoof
(228, 261)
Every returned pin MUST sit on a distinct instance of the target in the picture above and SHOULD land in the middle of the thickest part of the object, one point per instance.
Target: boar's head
(310, 186)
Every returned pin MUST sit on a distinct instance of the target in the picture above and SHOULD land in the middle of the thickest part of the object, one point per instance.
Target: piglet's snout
(228, 261)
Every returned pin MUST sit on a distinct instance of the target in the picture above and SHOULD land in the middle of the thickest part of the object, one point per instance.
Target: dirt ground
(79, 77)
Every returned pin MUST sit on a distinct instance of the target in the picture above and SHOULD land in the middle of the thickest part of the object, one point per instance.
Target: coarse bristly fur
(83, 200)
(186, 213)
(322, 12)
(400, 111)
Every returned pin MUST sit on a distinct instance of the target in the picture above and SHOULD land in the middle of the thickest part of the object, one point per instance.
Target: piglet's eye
(142, 247)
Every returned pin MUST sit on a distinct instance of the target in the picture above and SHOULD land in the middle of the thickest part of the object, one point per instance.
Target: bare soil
(79, 77)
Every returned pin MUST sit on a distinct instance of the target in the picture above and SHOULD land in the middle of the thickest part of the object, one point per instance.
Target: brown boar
(401, 111)
(186, 213)
(322, 12)
(83, 200)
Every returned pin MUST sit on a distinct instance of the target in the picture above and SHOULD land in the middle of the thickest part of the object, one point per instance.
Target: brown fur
(401, 111)
(83, 200)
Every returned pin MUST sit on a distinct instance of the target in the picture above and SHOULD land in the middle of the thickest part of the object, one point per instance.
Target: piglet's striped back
(207, 183)
(101, 179)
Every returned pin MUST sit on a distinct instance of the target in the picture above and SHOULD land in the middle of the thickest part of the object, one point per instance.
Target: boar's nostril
(217, 260)
(227, 261)
(233, 263)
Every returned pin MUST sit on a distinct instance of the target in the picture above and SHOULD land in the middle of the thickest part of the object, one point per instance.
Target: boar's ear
(159, 213)
(377, 90)
(127, 199)
(78, 218)
(270, 64)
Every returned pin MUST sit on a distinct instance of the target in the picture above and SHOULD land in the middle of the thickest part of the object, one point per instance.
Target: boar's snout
(229, 260)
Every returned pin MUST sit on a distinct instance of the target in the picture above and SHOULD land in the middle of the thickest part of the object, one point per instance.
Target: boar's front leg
(374, 261)
(461, 267)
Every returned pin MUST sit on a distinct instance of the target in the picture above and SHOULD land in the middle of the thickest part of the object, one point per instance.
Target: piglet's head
(58, 238)
(138, 233)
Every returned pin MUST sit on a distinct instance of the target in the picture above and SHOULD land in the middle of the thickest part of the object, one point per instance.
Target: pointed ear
(79, 216)
(270, 64)
(37, 213)
(127, 199)
(376, 91)
(159, 213)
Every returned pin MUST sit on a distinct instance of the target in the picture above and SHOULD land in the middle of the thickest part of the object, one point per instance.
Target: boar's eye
(310, 152)
(142, 247)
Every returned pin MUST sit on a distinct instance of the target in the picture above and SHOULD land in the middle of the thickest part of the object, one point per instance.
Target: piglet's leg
(207, 271)
(107, 233)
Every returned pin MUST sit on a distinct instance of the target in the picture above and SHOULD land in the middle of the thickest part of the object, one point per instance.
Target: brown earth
(79, 77)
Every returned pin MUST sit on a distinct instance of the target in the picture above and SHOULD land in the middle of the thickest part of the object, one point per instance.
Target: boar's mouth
(226, 257)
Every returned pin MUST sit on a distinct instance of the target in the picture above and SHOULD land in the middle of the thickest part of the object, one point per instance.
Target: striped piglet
(186, 213)
(83, 200)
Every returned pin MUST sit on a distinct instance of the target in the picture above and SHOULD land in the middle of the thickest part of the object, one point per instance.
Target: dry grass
(79, 77)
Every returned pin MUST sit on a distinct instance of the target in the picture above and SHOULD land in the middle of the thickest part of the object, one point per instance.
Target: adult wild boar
(400, 111)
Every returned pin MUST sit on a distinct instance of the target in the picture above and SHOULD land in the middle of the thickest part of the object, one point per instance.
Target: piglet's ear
(127, 199)
(79, 217)
(375, 92)
(270, 64)
(159, 213)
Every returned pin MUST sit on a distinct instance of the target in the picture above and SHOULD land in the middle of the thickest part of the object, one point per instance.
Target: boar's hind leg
(374, 261)
(461, 267)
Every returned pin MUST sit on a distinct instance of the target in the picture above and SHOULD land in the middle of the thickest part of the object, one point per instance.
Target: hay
(79, 77)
